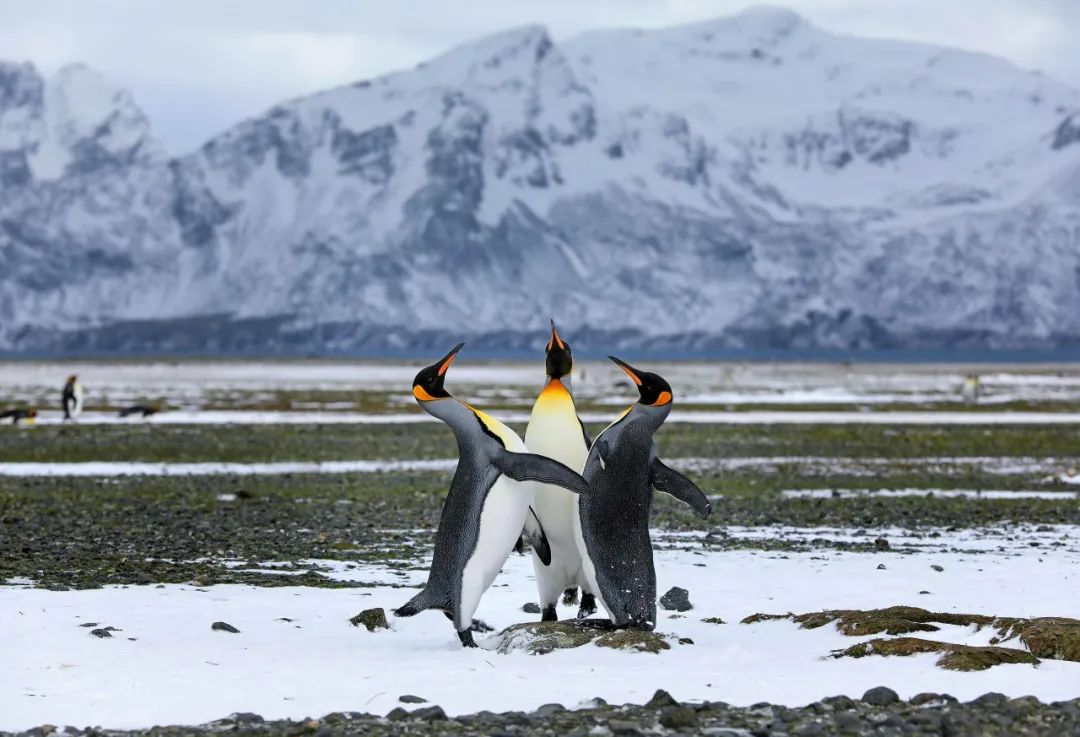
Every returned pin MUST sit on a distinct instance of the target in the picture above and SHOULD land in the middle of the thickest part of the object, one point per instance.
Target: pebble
(410, 699)
(224, 627)
(880, 696)
(676, 599)
(531, 608)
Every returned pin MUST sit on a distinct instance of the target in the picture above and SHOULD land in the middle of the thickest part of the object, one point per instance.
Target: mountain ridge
(749, 182)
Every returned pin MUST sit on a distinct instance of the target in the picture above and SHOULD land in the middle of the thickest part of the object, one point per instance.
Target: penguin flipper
(532, 467)
(585, 434)
(672, 482)
(534, 533)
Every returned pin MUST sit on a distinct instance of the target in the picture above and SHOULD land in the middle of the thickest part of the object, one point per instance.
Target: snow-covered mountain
(752, 181)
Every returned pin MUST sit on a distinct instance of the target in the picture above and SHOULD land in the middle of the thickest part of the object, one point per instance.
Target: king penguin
(19, 415)
(486, 507)
(613, 519)
(72, 398)
(555, 431)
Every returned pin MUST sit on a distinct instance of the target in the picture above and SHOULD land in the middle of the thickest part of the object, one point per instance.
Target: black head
(653, 389)
(428, 384)
(559, 359)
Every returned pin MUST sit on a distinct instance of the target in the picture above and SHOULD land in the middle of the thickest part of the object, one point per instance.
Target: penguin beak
(555, 339)
(428, 385)
(448, 359)
(559, 361)
(630, 370)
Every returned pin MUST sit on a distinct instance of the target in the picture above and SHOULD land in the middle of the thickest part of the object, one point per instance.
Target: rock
(925, 697)
(881, 567)
(937, 568)
(623, 726)
(660, 699)
(685, 641)
(990, 699)
(224, 627)
(677, 600)
(531, 608)
(540, 638)
(814, 729)
(430, 714)
(101, 632)
(397, 714)
(372, 619)
(881, 544)
(678, 717)
(880, 696)
(410, 699)
(713, 620)
(247, 717)
(546, 710)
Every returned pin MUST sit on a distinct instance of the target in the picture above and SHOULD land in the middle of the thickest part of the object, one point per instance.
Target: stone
(101, 632)
(677, 600)
(430, 714)
(224, 627)
(880, 696)
(410, 699)
(660, 699)
(372, 619)
(531, 608)
(678, 717)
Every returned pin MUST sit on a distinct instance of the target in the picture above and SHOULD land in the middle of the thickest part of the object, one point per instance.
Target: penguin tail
(419, 603)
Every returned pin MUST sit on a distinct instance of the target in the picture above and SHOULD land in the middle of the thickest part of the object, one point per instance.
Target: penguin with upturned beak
(555, 431)
(613, 519)
(72, 398)
(486, 507)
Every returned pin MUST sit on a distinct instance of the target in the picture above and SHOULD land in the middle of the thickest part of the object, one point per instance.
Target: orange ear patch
(664, 398)
(421, 394)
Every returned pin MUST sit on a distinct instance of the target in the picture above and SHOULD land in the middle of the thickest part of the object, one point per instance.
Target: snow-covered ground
(165, 665)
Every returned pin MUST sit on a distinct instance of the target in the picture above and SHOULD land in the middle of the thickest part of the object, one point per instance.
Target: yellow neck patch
(496, 428)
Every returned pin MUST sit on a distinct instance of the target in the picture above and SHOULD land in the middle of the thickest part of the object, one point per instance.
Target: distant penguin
(613, 519)
(487, 505)
(72, 398)
(139, 409)
(19, 415)
(970, 390)
(556, 431)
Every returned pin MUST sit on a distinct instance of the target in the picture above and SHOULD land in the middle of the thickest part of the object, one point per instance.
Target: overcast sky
(197, 66)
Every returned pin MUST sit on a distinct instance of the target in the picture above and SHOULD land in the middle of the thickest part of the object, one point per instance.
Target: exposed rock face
(746, 182)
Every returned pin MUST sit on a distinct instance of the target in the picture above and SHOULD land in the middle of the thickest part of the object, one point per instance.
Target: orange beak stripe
(446, 364)
(632, 375)
(421, 394)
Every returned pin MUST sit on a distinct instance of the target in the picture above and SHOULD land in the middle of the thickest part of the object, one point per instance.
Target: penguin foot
(466, 638)
(588, 606)
(569, 596)
(549, 615)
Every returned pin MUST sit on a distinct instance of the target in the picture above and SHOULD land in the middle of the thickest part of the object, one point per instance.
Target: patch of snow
(175, 670)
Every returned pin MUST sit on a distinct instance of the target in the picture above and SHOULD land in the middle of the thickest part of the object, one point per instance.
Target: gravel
(878, 713)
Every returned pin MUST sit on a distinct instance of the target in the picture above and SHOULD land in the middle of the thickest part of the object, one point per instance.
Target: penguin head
(72, 379)
(560, 362)
(653, 389)
(428, 384)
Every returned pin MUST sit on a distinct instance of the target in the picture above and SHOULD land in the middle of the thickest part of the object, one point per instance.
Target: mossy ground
(92, 531)
(1052, 638)
(953, 657)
